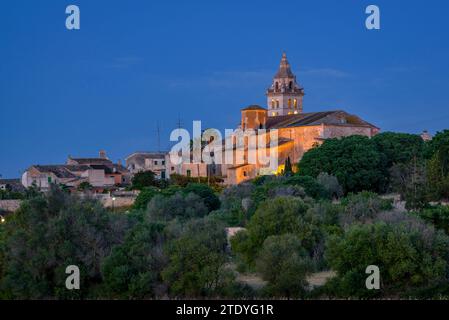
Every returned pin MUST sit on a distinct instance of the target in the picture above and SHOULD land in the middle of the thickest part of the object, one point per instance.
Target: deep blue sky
(136, 63)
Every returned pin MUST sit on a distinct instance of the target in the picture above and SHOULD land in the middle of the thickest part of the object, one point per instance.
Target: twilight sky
(138, 63)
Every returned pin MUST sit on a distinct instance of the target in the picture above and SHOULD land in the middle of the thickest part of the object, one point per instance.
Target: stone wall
(10, 205)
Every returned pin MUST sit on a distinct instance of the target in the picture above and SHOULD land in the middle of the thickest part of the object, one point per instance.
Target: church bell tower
(285, 95)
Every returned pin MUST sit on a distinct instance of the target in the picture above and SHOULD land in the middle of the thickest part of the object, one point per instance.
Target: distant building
(149, 161)
(101, 173)
(425, 135)
(13, 185)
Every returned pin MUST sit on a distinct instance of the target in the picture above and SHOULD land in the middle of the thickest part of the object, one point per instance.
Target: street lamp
(113, 201)
(2, 219)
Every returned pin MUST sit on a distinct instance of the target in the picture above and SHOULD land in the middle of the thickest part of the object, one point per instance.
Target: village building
(150, 161)
(100, 173)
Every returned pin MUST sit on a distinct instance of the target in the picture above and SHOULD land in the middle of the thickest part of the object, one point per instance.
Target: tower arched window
(290, 85)
(289, 103)
(276, 86)
(295, 103)
(273, 103)
(277, 104)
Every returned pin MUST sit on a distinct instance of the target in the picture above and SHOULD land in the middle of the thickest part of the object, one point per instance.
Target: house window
(163, 162)
(49, 179)
(189, 173)
(245, 174)
(172, 168)
(163, 175)
(155, 162)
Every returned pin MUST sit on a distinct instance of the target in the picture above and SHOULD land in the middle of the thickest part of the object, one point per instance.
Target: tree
(143, 179)
(179, 206)
(284, 264)
(410, 256)
(288, 170)
(438, 174)
(144, 197)
(399, 147)
(197, 261)
(49, 233)
(354, 160)
(133, 270)
(439, 141)
(206, 193)
(84, 186)
(363, 207)
(278, 216)
(330, 184)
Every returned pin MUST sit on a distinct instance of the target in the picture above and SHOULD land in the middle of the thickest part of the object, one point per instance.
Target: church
(298, 131)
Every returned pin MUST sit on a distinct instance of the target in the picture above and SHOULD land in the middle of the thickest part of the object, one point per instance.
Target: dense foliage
(354, 160)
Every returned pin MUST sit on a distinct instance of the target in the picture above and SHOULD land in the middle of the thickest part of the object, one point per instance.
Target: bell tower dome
(285, 95)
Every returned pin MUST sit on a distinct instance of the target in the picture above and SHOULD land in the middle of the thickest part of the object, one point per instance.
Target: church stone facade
(298, 131)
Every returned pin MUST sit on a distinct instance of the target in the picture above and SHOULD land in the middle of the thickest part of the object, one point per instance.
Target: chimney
(103, 154)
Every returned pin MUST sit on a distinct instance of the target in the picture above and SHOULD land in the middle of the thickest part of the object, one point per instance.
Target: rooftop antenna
(158, 131)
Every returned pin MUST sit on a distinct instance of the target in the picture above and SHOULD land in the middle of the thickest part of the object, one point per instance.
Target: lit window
(272, 103)
(295, 103)
(273, 114)
(289, 103)
(277, 104)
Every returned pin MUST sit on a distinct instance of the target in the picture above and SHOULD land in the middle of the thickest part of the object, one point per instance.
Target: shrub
(197, 261)
(363, 207)
(178, 206)
(284, 264)
(409, 254)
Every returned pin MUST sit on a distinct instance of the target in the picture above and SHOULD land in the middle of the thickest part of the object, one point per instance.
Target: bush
(177, 206)
(143, 180)
(279, 216)
(438, 216)
(133, 269)
(284, 264)
(51, 232)
(409, 254)
(145, 197)
(197, 261)
(330, 184)
(206, 193)
(363, 207)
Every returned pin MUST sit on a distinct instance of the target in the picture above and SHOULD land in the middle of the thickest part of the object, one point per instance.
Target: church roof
(254, 107)
(337, 117)
(284, 68)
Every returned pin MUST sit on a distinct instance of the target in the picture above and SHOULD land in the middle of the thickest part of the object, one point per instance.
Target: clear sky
(138, 63)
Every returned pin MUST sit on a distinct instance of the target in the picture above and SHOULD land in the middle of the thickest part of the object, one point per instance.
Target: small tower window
(277, 104)
(290, 85)
(273, 103)
(276, 86)
(289, 103)
(295, 103)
